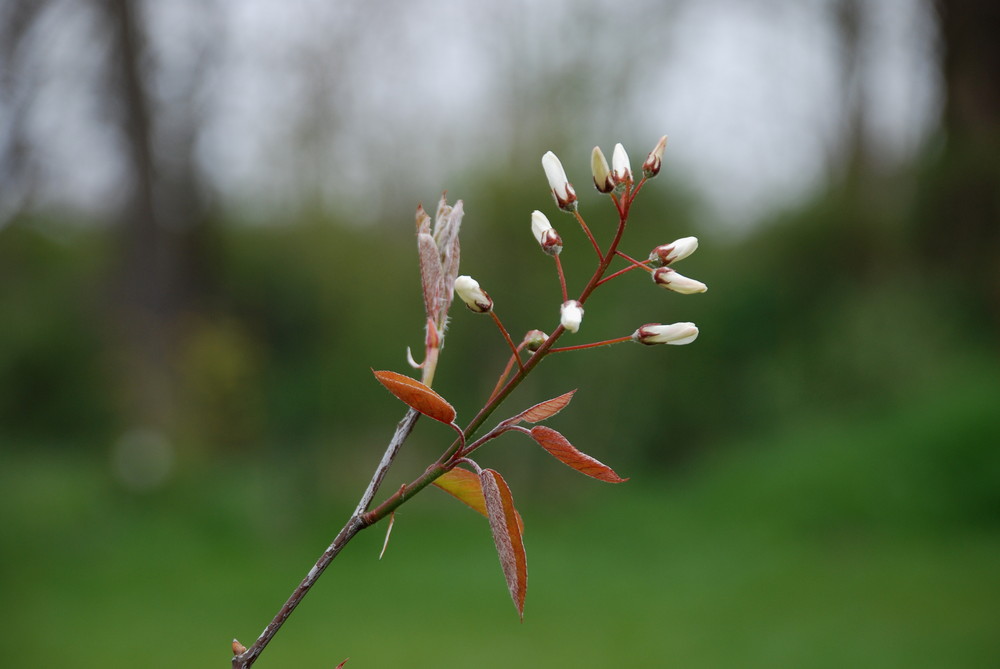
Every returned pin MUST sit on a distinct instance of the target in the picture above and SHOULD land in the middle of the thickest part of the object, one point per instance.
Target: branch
(403, 429)
(247, 658)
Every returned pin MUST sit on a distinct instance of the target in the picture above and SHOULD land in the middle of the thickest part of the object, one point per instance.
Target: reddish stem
(505, 373)
(506, 336)
(562, 277)
(578, 347)
(590, 236)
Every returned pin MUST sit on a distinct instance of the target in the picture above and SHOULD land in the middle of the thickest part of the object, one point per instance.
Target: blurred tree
(960, 212)
(162, 225)
(17, 169)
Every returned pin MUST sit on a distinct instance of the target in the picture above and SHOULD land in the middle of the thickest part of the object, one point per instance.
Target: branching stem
(362, 518)
(590, 236)
(506, 336)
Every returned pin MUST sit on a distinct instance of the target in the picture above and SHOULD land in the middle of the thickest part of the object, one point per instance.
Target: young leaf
(506, 535)
(562, 450)
(543, 410)
(420, 397)
(466, 487)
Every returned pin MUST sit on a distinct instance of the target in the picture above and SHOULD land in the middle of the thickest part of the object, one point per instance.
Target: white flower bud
(562, 189)
(621, 170)
(571, 315)
(474, 297)
(678, 249)
(675, 333)
(601, 171)
(669, 278)
(651, 167)
(547, 237)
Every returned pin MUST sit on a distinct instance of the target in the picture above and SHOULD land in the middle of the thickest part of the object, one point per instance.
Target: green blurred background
(206, 243)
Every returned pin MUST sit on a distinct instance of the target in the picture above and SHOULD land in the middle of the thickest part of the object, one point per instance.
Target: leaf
(543, 410)
(430, 275)
(466, 487)
(560, 448)
(341, 665)
(506, 535)
(420, 397)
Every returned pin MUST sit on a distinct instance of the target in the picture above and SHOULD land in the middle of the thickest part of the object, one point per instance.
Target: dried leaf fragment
(560, 448)
(506, 535)
(417, 395)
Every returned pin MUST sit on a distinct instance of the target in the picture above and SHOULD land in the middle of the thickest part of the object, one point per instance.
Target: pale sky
(413, 94)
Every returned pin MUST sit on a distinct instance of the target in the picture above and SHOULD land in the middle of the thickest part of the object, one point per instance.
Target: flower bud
(651, 167)
(571, 315)
(675, 333)
(602, 173)
(562, 189)
(674, 251)
(670, 279)
(534, 339)
(621, 170)
(474, 297)
(547, 237)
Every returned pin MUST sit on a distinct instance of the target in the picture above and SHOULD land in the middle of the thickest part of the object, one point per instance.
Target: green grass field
(869, 542)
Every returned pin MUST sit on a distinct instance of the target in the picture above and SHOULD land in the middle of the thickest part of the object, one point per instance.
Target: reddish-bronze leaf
(506, 535)
(420, 397)
(543, 410)
(341, 665)
(466, 487)
(562, 450)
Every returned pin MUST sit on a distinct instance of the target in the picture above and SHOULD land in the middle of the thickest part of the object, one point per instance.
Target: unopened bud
(571, 315)
(534, 339)
(670, 279)
(674, 251)
(675, 333)
(474, 297)
(562, 189)
(651, 167)
(547, 237)
(621, 170)
(602, 173)
(238, 648)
